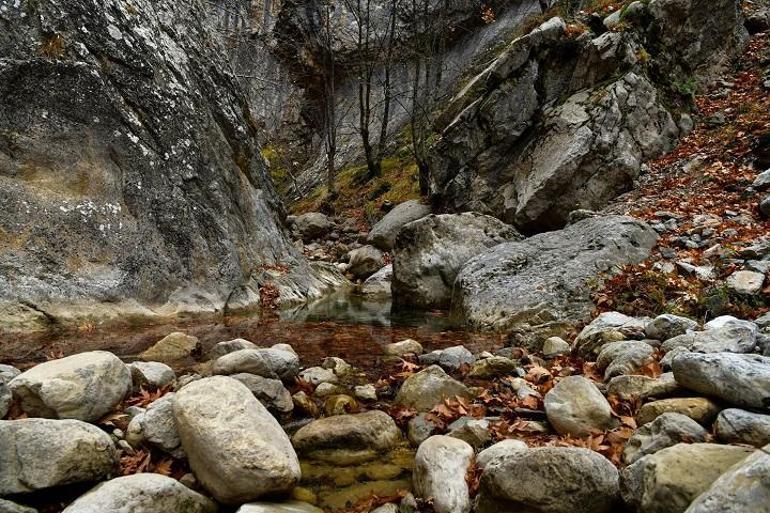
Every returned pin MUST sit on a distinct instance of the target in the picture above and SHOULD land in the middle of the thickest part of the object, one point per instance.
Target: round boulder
(576, 407)
(236, 449)
(440, 466)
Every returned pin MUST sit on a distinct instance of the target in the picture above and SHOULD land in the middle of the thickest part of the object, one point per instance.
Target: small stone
(441, 464)
(429, 387)
(230, 346)
(364, 262)
(608, 327)
(451, 358)
(555, 346)
(269, 392)
(151, 375)
(402, 348)
(500, 450)
(279, 507)
(748, 283)
(493, 367)
(475, 432)
(637, 388)
(337, 365)
(305, 404)
(274, 362)
(172, 348)
(366, 392)
(764, 207)
(762, 181)
(625, 357)
(420, 428)
(700, 409)
(327, 389)
(576, 407)
(340, 404)
(667, 326)
(317, 375)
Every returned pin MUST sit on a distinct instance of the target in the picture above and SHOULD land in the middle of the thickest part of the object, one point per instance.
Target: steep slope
(130, 177)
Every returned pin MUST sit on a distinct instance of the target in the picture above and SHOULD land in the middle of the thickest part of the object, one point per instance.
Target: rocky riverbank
(633, 414)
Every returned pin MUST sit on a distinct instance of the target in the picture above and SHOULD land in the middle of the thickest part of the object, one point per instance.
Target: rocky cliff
(130, 176)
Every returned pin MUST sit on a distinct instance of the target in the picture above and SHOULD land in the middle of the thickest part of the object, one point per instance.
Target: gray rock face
(270, 392)
(546, 277)
(736, 426)
(576, 407)
(236, 449)
(739, 379)
(549, 480)
(84, 386)
(142, 493)
(384, 232)
(667, 430)
(431, 251)
(273, 363)
(429, 387)
(742, 489)
(147, 174)
(440, 466)
(451, 358)
(40, 453)
(672, 478)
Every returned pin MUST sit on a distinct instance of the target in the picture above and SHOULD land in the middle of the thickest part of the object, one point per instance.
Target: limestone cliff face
(130, 177)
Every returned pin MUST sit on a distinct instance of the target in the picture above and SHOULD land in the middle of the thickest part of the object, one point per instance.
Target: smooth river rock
(236, 449)
(142, 493)
(36, 454)
(429, 387)
(549, 480)
(84, 386)
(441, 464)
(734, 426)
(665, 431)
(273, 362)
(576, 407)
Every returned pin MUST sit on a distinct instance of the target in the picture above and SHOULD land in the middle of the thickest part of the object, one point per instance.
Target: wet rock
(340, 404)
(624, 357)
(270, 392)
(429, 387)
(549, 480)
(151, 375)
(667, 326)
(665, 431)
(230, 346)
(142, 493)
(736, 426)
(739, 379)
(404, 347)
(378, 284)
(441, 464)
(431, 251)
(744, 488)
(384, 232)
(312, 225)
(748, 283)
(279, 507)
(608, 327)
(305, 404)
(555, 346)
(700, 409)
(674, 477)
(500, 450)
(235, 447)
(156, 426)
(638, 388)
(38, 454)
(364, 262)
(317, 375)
(451, 358)
(275, 363)
(344, 438)
(172, 348)
(84, 386)
(576, 407)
